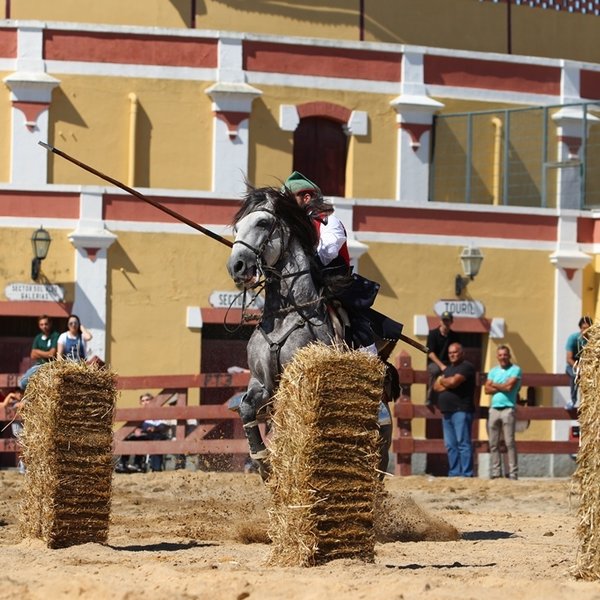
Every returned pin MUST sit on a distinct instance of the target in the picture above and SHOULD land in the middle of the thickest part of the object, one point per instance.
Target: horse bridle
(258, 252)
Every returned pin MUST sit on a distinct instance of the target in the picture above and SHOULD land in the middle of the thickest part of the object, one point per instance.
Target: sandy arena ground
(185, 534)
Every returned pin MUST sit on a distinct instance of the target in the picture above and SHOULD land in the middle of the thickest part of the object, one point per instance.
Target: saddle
(385, 329)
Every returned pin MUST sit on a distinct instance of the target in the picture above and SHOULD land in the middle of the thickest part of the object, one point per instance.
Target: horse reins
(271, 273)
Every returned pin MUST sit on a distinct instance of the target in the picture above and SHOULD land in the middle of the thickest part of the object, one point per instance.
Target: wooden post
(403, 411)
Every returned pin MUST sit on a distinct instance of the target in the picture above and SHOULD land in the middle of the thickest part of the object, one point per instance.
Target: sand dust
(184, 534)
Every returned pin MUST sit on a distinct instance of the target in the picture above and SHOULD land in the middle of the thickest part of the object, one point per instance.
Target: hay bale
(588, 460)
(324, 456)
(67, 449)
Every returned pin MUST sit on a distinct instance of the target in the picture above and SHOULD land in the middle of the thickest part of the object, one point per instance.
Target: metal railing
(511, 157)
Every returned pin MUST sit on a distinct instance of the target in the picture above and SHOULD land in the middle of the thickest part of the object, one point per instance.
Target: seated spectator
(14, 400)
(575, 344)
(149, 430)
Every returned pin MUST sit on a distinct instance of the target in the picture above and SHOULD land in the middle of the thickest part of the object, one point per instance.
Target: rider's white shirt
(332, 237)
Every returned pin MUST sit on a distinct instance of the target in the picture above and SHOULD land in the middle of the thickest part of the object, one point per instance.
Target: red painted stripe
(494, 75)
(43, 204)
(588, 231)
(338, 113)
(321, 61)
(130, 49)
(8, 43)
(34, 309)
(589, 84)
(202, 210)
(224, 315)
(454, 223)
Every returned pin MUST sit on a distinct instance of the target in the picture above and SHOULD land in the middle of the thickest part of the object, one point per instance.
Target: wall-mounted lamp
(470, 259)
(40, 240)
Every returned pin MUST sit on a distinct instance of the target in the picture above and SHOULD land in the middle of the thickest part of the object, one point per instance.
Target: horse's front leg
(253, 400)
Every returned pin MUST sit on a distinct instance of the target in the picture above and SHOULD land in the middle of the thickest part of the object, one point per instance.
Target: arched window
(320, 151)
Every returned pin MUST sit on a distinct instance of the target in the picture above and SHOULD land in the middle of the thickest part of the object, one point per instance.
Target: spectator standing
(575, 344)
(456, 389)
(438, 342)
(72, 344)
(43, 348)
(503, 384)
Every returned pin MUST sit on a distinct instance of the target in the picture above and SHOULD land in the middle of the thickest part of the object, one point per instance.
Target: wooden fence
(211, 429)
(405, 412)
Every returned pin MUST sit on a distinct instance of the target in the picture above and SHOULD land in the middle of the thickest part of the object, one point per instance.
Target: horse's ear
(250, 187)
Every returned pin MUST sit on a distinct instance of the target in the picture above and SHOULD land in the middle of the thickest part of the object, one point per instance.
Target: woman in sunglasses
(72, 343)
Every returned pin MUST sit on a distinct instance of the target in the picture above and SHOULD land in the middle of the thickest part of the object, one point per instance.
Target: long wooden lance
(116, 183)
(175, 215)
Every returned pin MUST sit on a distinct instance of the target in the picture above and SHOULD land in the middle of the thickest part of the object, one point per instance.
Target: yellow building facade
(188, 101)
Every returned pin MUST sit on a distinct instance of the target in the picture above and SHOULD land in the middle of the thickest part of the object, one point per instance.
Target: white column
(92, 240)
(414, 115)
(232, 103)
(344, 211)
(31, 93)
(569, 261)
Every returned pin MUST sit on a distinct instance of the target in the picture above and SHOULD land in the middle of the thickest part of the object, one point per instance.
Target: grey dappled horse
(274, 245)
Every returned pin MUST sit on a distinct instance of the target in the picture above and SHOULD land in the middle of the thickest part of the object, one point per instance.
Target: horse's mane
(284, 206)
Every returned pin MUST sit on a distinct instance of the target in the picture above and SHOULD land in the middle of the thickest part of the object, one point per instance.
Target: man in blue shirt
(503, 384)
(575, 344)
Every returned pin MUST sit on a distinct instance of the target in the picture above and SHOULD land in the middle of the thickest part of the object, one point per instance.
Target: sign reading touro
(34, 292)
(460, 308)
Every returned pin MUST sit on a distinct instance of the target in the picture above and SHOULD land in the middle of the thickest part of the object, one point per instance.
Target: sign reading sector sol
(34, 292)
(220, 299)
(460, 308)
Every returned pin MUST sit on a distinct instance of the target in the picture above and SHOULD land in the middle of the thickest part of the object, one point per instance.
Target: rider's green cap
(297, 183)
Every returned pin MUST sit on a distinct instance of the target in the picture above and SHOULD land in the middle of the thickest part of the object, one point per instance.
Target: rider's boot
(258, 450)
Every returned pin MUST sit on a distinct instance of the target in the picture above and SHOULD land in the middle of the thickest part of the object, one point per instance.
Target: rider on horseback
(333, 259)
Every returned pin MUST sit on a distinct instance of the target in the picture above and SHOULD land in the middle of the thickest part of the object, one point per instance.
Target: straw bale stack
(67, 449)
(324, 457)
(588, 460)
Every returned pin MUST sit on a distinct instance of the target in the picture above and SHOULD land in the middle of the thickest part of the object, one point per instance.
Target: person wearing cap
(332, 248)
(334, 259)
(438, 342)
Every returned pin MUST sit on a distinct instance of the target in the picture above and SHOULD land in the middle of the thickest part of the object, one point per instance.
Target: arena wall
(216, 109)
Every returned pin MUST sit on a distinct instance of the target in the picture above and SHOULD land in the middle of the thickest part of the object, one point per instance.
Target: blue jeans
(25, 378)
(457, 439)
(574, 387)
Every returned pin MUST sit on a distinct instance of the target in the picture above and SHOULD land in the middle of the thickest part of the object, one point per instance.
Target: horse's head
(263, 226)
